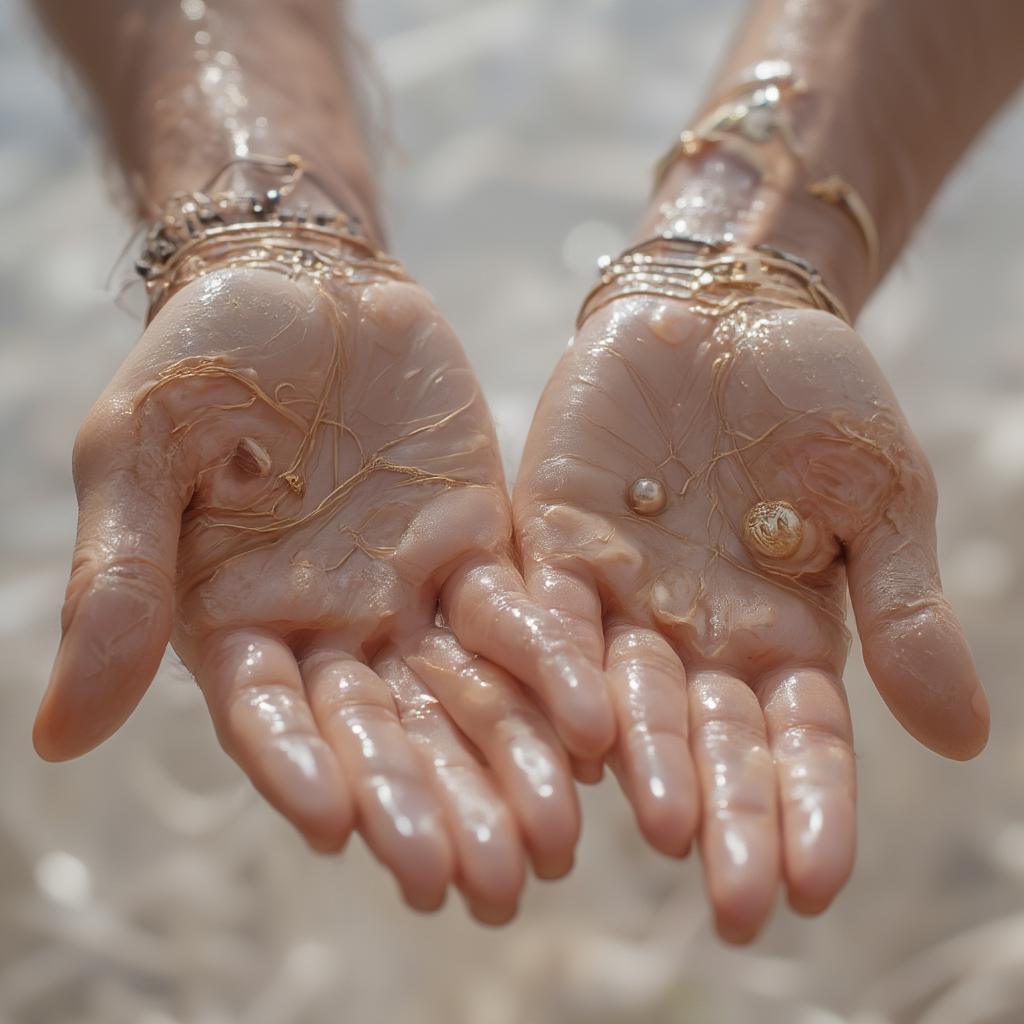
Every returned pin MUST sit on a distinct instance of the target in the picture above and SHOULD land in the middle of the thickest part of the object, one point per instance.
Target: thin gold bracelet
(753, 115)
(714, 278)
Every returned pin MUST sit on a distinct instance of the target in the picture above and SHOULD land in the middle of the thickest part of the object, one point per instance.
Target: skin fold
(290, 479)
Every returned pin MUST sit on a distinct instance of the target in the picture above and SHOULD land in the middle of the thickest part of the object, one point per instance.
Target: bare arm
(895, 92)
(717, 459)
(181, 89)
(294, 472)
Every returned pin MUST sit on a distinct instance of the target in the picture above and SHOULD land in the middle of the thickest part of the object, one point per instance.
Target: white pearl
(773, 529)
(647, 496)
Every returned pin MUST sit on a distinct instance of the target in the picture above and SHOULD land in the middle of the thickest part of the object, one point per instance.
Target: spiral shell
(773, 529)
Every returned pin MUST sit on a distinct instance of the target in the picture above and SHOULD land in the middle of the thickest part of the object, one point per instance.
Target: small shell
(773, 529)
(295, 483)
(252, 458)
(647, 496)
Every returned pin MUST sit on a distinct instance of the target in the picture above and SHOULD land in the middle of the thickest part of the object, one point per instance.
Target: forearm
(182, 89)
(893, 93)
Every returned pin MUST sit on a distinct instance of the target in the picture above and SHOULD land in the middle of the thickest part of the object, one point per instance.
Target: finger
(590, 772)
(515, 740)
(914, 646)
(652, 754)
(739, 836)
(116, 619)
(254, 692)
(493, 616)
(491, 863)
(811, 740)
(400, 815)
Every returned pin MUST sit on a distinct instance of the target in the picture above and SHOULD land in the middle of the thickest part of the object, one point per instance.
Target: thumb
(914, 646)
(117, 613)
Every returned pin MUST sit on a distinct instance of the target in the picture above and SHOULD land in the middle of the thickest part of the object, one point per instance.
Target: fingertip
(588, 773)
(669, 826)
(923, 669)
(491, 914)
(980, 707)
(551, 828)
(62, 732)
(46, 744)
(554, 865)
(494, 900)
(810, 903)
(662, 787)
(585, 719)
(959, 748)
(492, 869)
(741, 910)
(814, 881)
(101, 670)
(329, 846)
(736, 932)
(551, 837)
(424, 895)
(416, 848)
(300, 778)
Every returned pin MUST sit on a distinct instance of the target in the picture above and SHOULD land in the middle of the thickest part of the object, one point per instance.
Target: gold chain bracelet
(754, 116)
(715, 278)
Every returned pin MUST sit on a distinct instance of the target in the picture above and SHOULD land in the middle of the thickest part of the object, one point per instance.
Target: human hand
(721, 630)
(289, 478)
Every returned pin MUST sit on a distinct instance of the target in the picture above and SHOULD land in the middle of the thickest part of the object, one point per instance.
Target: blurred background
(146, 884)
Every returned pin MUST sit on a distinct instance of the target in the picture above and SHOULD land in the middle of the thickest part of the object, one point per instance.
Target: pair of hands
(299, 487)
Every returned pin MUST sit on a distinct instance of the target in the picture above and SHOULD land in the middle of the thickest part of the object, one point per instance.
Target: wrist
(223, 86)
(720, 198)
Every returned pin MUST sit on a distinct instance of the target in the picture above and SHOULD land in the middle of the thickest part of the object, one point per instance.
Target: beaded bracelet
(213, 227)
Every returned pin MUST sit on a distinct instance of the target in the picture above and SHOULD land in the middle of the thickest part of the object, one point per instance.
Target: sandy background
(145, 884)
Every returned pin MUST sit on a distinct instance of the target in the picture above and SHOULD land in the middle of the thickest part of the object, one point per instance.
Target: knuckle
(87, 448)
(278, 704)
(646, 656)
(355, 700)
(794, 742)
(733, 741)
(643, 731)
(132, 574)
(747, 802)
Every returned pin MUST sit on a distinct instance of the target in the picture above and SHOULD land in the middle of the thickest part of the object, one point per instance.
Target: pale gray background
(145, 884)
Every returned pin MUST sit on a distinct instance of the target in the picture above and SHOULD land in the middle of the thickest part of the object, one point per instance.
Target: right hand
(725, 662)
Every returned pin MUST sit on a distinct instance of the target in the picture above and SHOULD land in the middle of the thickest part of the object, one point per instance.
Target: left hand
(289, 479)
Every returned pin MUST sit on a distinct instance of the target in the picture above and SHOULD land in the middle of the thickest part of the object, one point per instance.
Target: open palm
(788, 473)
(293, 480)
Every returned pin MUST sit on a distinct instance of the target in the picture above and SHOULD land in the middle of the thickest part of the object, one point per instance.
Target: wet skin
(297, 483)
(724, 662)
